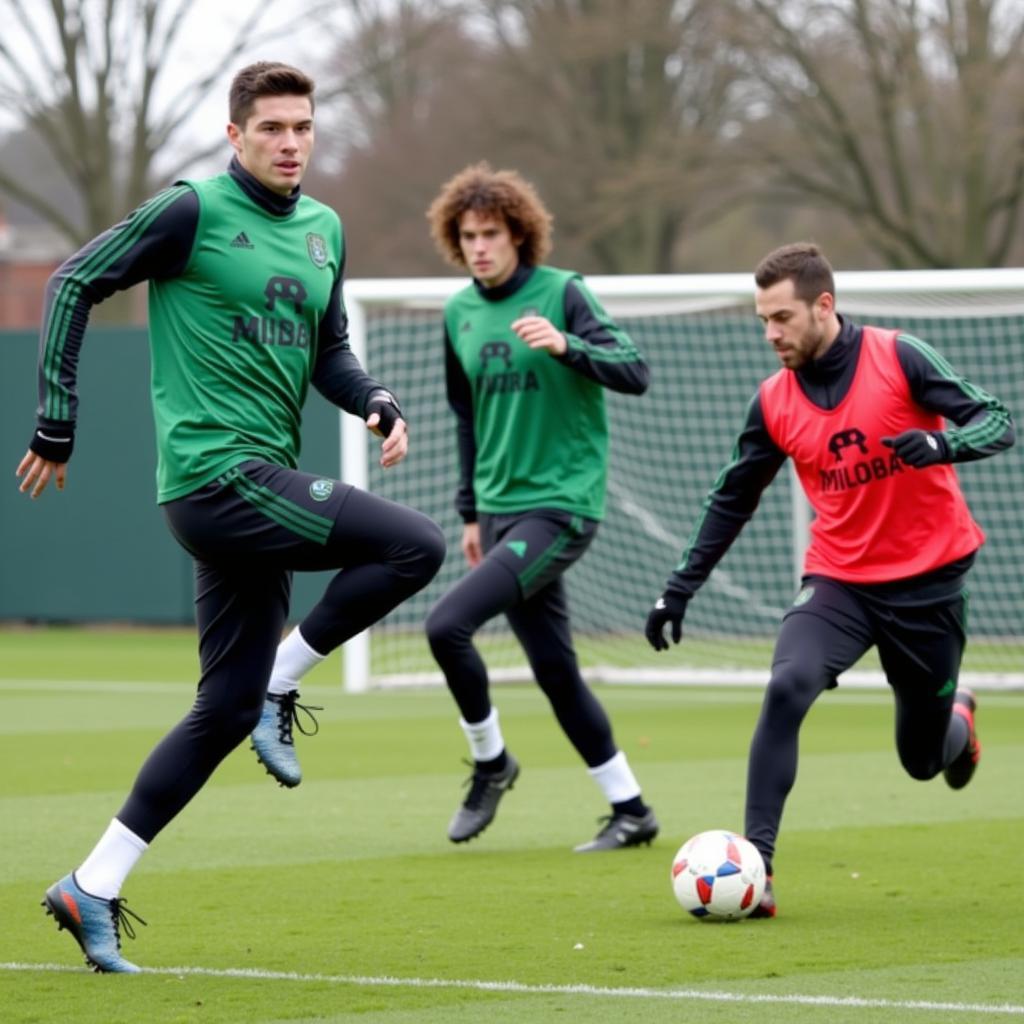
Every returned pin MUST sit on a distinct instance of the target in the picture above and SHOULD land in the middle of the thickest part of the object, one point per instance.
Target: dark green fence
(100, 551)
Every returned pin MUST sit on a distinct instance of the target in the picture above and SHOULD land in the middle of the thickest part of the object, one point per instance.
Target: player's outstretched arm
(727, 508)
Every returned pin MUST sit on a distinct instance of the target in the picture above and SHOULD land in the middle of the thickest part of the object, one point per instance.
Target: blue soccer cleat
(95, 923)
(272, 738)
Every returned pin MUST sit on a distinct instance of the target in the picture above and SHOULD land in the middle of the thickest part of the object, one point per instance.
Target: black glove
(670, 607)
(386, 406)
(53, 441)
(919, 448)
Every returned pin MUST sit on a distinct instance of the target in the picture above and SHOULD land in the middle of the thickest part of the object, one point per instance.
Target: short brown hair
(265, 78)
(504, 194)
(804, 264)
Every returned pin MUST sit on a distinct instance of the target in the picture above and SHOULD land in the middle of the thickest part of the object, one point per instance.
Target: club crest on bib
(316, 245)
(320, 490)
(854, 437)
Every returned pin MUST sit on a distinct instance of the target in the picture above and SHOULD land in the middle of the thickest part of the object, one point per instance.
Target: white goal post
(701, 337)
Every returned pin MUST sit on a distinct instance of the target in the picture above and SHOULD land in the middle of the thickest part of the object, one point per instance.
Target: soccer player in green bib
(245, 311)
(528, 354)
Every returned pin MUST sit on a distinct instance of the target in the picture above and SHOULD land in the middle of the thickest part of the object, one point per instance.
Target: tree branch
(51, 71)
(884, 92)
(1009, 204)
(53, 214)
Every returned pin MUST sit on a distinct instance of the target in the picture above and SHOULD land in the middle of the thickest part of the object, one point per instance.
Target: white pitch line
(94, 686)
(683, 995)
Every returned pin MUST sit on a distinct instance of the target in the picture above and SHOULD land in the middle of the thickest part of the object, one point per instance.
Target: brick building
(28, 255)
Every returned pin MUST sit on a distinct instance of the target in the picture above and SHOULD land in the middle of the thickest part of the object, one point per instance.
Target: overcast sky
(206, 33)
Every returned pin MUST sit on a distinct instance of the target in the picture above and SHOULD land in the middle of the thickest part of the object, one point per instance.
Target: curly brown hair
(504, 194)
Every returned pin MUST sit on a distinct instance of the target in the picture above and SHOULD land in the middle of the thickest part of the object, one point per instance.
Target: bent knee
(229, 723)
(425, 548)
(787, 700)
(557, 675)
(793, 688)
(434, 547)
(444, 630)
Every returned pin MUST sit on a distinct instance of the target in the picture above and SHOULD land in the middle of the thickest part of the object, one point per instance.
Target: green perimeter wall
(100, 551)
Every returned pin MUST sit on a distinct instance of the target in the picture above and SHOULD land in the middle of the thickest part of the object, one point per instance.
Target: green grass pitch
(343, 900)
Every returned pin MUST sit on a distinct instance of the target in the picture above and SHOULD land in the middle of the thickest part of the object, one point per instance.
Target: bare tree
(83, 76)
(615, 110)
(905, 115)
(621, 108)
(408, 97)
(391, 65)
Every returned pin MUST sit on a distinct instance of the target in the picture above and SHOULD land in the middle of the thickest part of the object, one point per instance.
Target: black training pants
(521, 576)
(247, 532)
(830, 625)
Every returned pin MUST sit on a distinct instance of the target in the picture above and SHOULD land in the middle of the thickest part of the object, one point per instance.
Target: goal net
(707, 356)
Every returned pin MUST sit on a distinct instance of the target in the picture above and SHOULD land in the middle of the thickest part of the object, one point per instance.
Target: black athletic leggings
(521, 576)
(247, 532)
(829, 627)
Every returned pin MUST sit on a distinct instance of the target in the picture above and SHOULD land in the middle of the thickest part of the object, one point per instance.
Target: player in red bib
(873, 420)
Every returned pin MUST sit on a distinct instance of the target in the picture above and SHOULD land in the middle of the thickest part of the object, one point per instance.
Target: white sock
(616, 779)
(485, 739)
(294, 659)
(103, 872)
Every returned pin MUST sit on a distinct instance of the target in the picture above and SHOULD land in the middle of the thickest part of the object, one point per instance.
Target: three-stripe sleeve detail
(975, 436)
(117, 242)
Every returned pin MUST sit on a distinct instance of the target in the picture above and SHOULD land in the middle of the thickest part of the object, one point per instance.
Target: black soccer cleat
(481, 804)
(960, 770)
(622, 830)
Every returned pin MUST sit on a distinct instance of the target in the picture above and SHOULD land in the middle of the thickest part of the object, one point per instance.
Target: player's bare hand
(36, 472)
(395, 445)
(539, 332)
(471, 546)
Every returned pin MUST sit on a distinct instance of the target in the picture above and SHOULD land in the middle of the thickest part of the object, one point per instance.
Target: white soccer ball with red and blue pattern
(719, 875)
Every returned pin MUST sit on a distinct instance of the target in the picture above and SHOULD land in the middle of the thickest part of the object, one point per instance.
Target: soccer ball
(718, 874)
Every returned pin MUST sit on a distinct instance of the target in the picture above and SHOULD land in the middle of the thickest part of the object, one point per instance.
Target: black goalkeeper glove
(919, 448)
(386, 406)
(670, 607)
